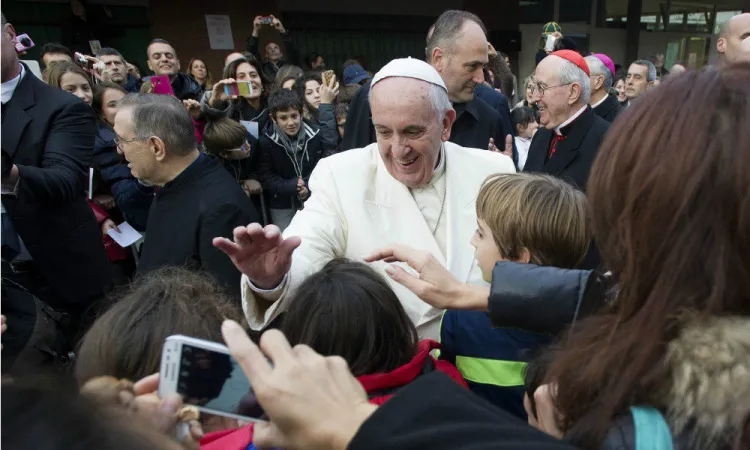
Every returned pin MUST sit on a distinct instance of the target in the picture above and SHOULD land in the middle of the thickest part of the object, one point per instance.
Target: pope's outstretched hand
(261, 253)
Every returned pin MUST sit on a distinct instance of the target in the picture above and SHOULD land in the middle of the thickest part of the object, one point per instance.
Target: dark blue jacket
(491, 360)
(133, 85)
(133, 198)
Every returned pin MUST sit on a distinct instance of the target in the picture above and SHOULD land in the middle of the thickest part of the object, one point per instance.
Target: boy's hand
(435, 284)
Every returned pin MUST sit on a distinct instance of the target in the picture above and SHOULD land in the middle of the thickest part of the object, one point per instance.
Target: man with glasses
(117, 69)
(196, 198)
(567, 144)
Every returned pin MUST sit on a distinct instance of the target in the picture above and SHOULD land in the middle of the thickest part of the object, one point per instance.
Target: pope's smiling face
(408, 130)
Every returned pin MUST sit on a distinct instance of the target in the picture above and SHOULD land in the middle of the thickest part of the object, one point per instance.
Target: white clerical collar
(9, 87)
(570, 120)
(439, 170)
(600, 101)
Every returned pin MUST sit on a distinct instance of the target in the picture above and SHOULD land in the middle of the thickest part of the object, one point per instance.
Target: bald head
(733, 44)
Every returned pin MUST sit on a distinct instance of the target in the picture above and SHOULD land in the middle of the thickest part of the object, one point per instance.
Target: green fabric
(491, 371)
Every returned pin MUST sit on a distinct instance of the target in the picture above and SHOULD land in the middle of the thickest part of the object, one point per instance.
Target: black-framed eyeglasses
(534, 87)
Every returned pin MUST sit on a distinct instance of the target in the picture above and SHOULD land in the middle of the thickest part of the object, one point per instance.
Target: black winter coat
(574, 155)
(609, 109)
(276, 166)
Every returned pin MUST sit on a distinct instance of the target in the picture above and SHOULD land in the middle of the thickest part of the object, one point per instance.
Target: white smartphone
(206, 376)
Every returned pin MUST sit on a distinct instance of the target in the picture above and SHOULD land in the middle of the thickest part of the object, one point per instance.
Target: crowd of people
(429, 255)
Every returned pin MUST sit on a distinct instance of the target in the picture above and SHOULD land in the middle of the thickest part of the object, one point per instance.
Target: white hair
(597, 67)
(570, 73)
(438, 99)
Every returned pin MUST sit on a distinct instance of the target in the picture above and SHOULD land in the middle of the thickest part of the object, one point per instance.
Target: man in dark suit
(457, 48)
(197, 199)
(569, 140)
(604, 104)
(52, 245)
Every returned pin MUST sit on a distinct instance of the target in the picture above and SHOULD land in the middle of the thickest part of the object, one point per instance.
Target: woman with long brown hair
(670, 209)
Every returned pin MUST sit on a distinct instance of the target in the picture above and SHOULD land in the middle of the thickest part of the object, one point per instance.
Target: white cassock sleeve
(323, 230)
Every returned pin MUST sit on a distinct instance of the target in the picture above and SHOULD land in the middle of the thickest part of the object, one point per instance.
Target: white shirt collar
(599, 102)
(570, 119)
(9, 87)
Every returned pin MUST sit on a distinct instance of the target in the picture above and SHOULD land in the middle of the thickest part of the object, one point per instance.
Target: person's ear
(273, 118)
(450, 117)
(150, 67)
(8, 28)
(158, 148)
(224, 154)
(651, 83)
(721, 45)
(575, 93)
(438, 58)
(524, 256)
(520, 129)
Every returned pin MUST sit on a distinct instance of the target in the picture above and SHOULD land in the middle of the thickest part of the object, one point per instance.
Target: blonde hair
(540, 213)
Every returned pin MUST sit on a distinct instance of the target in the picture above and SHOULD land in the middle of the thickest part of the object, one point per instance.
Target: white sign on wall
(219, 32)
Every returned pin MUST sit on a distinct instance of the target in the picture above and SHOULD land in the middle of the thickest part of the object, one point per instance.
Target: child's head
(226, 138)
(126, 341)
(524, 121)
(530, 218)
(347, 309)
(285, 107)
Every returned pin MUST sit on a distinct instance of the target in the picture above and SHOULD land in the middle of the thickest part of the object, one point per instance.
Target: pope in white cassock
(411, 187)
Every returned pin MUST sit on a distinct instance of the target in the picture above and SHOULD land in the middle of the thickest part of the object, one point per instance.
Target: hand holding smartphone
(206, 376)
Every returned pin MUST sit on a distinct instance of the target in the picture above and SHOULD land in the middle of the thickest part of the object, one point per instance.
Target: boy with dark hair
(289, 148)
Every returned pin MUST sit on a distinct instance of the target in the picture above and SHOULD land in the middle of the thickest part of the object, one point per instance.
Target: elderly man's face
(461, 63)
(637, 81)
(735, 46)
(554, 99)
(137, 152)
(408, 131)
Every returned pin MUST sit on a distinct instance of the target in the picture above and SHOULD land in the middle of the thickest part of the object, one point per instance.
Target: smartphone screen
(240, 88)
(214, 381)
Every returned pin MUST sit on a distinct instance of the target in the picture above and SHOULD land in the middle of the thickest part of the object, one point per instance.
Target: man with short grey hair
(604, 104)
(196, 198)
(569, 140)
(641, 77)
(410, 187)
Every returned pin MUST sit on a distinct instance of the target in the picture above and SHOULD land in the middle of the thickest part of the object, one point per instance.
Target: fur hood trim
(710, 392)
